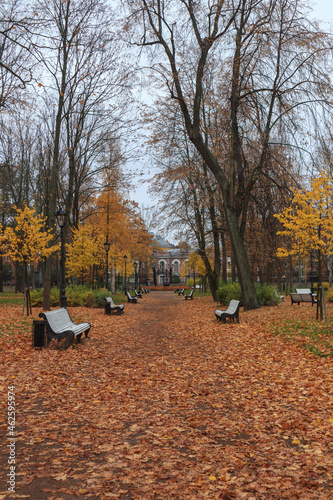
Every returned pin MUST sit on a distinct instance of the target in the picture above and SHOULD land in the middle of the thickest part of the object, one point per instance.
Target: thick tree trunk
(248, 290)
(213, 277)
(46, 273)
(224, 258)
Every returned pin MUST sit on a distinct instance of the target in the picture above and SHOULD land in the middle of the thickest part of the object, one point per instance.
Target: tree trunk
(224, 259)
(1, 273)
(242, 263)
(330, 269)
(46, 273)
(18, 278)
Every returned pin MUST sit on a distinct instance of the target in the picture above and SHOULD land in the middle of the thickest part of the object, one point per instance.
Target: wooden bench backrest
(59, 318)
(232, 307)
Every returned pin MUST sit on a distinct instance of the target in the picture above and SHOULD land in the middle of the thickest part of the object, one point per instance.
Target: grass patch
(11, 298)
(312, 335)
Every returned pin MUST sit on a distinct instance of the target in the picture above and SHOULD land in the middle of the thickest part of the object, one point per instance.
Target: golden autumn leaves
(308, 221)
(28, 240)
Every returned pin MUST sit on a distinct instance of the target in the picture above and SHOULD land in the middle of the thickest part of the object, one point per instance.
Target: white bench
(189, 296)
(59, 326)
(232, 312)
(131, 298)
(111, 307)
(181, 292)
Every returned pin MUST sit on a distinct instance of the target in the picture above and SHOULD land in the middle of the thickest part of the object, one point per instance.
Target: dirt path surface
(165, 403)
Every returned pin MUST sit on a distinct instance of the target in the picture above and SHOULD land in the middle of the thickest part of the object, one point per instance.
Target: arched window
(175, 266)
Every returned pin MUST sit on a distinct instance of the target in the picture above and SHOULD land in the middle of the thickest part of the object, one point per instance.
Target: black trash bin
(107, 307)
(38, 333)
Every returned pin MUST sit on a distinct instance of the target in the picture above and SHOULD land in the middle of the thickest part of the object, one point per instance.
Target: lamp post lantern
(107, 248)
(61, 219)
(125, 260)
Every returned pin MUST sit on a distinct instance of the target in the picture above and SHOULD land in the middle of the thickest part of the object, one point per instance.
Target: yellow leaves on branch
(196, 263)
(28, 240)
(85, 249)
(308, 222)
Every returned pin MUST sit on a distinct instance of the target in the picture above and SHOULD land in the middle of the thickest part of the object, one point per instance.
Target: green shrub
(329, 294)
(36, 298)
(190, 282)
(98, 297)
(76, 296)
(229, 291)
(267, 295)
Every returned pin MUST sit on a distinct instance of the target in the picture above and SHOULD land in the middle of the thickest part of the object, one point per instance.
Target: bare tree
(78, 53)
(273, 59)
(17, 42)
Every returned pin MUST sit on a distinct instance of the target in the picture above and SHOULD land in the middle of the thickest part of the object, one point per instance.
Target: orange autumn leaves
(117, 221)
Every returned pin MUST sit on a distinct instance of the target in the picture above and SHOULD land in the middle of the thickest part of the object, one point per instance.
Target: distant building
(169, 262)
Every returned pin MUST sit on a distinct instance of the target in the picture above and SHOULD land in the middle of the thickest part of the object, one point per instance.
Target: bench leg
(79, 337)
(70, 339)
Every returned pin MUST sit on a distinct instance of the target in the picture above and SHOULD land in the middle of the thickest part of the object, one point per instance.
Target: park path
(165, 403)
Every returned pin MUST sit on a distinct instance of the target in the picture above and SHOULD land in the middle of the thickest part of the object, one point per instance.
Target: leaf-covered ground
(166, 403)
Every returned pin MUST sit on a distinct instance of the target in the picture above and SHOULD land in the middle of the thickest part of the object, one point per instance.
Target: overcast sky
(322, 10)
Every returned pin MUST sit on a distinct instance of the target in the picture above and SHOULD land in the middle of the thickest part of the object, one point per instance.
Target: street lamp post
(61, 218)
(135, 274)
(107, 248)
(138, 273)
(125, 260)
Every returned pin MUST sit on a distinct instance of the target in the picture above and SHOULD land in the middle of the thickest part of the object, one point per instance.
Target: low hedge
(76, 296)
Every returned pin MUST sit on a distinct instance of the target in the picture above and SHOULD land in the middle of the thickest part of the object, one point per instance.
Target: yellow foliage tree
(84, 251)
(196, 264)
(308, 223)
(27, 241)
(118, 220)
